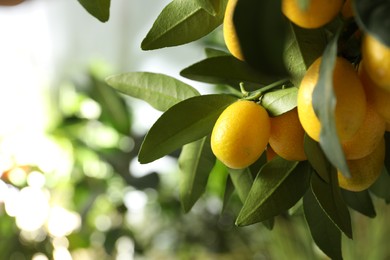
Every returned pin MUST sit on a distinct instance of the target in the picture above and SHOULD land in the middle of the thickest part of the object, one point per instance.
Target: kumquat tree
(298, 114)
(301, 115)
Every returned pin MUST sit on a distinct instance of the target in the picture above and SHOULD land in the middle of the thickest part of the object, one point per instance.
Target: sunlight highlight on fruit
(241, 134)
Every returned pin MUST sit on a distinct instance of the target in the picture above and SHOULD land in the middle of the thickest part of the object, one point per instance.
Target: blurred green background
(70, 184)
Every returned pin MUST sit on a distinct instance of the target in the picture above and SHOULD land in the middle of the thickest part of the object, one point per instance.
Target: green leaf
(159, 90)
(303, 47)
(261, 31)
(217, 179)
(325, 234)
(387, 153)
(181, 124)
(277, 187)
(226, 70)
(210, 52)
(324, 103)
(183, 21)
(242, 181)
(114, 108)
(373, 17)
(195, 162)
(317, 158)
(329, 197)
(360, 201)
(100, 9)
(229, 190)
(280, 101)
(381, 186)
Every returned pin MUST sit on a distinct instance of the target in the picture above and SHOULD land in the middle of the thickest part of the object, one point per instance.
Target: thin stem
(257, 94)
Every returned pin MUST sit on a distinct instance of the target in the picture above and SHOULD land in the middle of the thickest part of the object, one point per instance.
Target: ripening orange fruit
(364, 171)
(367, 138)
(350, 107)
(241, 134)
(376, 57)
(317, 14)
(229, 31)
(287, 136)
(377, 97)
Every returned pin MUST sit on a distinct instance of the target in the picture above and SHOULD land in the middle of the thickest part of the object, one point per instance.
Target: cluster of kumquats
(362, 114)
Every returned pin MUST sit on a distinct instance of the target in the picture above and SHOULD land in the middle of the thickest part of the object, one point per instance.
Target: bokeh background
(70, 183)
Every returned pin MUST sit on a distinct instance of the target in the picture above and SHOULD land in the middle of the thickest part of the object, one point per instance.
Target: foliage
(274, 49)
(277, 54)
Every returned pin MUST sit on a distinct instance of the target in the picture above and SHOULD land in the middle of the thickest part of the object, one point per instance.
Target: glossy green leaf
(317, 158)
(242, 180)
(159, 90)
(195, 162)
(277, 187)
(114, 108)
(303, 47)
(329, 197)
(183, 21)
(381, 186)
(325, 234)
(226, 70)
(373, 17)
(280, 101)
(324, 103)
(100, 9)
(261, 30)
(360, 201)
(185, 122)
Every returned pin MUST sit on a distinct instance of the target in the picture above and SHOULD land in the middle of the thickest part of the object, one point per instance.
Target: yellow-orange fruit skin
(351, 103)
(367, 137)
(241, 134)
(229, 31)
(364, 171)
(376, 57)
(318, 13)
(377, 97)
(287, 136)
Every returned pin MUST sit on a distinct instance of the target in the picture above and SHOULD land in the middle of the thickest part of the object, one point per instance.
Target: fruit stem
(257, 94)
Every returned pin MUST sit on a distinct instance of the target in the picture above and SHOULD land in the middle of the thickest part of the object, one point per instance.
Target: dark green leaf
(325, 234)
(98, 8)
(183, 21)
(280, 101)
(329, 197)
(373, 17)
(381, 186)
(261, 30)
(114, 108)
(317, 158)
(360, 201)
(226, 70)
(277, 187)
(269, 223)
(181, 124)
(210, 52)
(387, 152)
(324, 103)
(195, 162)
(242, 181)
(303, 47)
(229, 190)
(159, 90)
